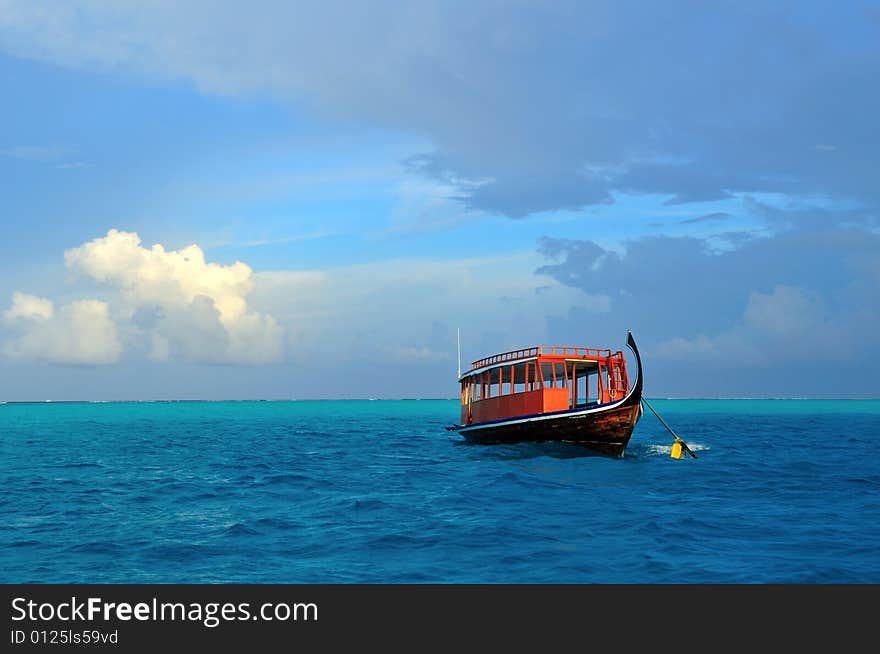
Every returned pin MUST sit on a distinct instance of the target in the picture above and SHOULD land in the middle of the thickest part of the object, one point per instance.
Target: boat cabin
(540, 380)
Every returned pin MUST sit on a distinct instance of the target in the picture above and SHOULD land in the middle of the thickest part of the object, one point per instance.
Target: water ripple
(378, 491)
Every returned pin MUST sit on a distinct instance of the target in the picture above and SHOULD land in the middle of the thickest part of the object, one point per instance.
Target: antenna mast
(459, 352)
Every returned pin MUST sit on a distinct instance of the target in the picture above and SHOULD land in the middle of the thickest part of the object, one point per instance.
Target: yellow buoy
(676, 450)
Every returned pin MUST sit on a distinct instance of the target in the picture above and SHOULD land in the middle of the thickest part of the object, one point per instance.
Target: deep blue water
(360, 491)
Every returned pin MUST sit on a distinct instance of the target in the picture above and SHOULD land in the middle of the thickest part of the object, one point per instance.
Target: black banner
(285, 617)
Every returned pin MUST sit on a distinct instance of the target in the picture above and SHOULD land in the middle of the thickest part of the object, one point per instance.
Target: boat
(552, 393)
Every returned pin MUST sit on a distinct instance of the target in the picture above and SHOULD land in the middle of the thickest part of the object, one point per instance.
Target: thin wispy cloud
(278, 240)
(74, 165)
(297, 238)
(39, 153)
(708, 218)
(60, 157)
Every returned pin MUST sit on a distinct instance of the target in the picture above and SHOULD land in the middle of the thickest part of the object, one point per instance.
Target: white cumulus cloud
(172, 304)
(79, 333)
(29, 306)
(184, 305)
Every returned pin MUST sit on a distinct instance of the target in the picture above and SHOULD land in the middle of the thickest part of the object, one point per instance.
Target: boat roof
(543, 351)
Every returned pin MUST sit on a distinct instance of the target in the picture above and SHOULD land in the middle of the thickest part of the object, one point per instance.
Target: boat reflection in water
(550, 393)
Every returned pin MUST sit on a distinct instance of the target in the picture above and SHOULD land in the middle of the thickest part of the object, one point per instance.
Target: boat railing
(513, 355)
(557, 350)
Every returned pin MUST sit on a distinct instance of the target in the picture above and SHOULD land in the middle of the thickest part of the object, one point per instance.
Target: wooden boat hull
(604, 428)
(607, 431)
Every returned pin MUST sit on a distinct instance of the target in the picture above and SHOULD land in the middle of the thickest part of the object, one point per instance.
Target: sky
(217, 200)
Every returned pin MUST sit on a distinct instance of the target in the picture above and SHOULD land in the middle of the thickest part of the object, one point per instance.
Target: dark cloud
(534, 106)
(695, 101)
(780, 314)
(519, 197)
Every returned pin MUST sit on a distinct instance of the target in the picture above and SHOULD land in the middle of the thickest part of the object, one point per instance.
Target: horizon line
(408, 399)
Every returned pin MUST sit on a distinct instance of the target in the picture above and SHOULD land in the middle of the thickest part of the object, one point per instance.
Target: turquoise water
(361, 491)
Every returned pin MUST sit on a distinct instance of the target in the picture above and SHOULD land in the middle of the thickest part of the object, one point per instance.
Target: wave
(653, 449)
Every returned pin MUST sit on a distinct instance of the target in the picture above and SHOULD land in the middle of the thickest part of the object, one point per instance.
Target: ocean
(783, 491)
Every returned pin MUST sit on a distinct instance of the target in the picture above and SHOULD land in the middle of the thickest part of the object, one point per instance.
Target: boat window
(497, 381)
(519, 378)
(559, 370)
(554, 374)
(493, 376)
(581, 387)
(547, 373)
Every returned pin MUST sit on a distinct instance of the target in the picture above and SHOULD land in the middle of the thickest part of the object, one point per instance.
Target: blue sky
(705, 175)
